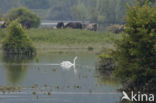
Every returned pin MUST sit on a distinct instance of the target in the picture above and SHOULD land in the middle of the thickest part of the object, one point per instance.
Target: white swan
(68, 64)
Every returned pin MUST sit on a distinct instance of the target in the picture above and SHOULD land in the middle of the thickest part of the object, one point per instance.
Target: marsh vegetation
(69, 38)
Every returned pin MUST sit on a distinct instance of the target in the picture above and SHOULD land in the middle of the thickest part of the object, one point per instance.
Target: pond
(42, 80)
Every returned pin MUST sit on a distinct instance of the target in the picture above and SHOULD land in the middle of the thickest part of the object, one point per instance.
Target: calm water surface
(42, 81)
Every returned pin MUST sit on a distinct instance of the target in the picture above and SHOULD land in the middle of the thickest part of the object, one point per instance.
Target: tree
(60, 9)
(79, 11)
(5, 5)
(136, 55)
(142, 2)
(92, 10)
(25, 16)
(107, 11)
(36, 4)
(0, 15)
(17, 42)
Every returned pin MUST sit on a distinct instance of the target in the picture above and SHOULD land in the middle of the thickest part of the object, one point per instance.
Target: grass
(71, 38)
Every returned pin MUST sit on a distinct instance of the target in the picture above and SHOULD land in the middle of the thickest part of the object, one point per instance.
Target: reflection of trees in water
(16, 67)
(107, 78)
(104, 71)
(144, 85)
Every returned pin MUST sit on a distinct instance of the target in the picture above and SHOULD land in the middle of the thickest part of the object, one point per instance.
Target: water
(42, 80)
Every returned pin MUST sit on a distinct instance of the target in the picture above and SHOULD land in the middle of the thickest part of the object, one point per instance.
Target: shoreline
(74, 47)
(47, 47)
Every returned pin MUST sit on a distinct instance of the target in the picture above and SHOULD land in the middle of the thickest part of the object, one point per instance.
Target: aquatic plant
(8, 89)
(49, 93)
(33, 93)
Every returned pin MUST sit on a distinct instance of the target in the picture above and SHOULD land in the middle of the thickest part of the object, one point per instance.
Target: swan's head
(75, 58)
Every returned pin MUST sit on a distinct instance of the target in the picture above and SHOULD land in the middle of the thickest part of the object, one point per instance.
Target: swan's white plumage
(68, 64)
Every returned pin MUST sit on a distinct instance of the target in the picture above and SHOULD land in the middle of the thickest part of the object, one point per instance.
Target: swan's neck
(75, 70)
(74, 62)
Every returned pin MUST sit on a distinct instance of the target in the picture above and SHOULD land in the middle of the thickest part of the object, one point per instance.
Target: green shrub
(16, 41)
(25, 16)
(136, 55)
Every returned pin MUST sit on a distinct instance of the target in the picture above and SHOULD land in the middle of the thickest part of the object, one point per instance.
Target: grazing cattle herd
(115, 28)
(78, 25)
(72, 25)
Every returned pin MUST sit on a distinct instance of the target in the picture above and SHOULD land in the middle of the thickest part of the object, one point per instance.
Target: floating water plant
(45, 85)
(76, 86)
(90, 91)
(54, 70)
(8, 89)
(49, 93)
(33, 93)
(68, 86)
(57, 87)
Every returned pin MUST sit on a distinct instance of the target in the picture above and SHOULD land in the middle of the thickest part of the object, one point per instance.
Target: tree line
(100, 11)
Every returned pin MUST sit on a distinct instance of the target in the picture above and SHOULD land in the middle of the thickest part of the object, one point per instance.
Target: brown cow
(74, 25)
(60, 25)
(116, 28)
(3, 24)
(92, 27)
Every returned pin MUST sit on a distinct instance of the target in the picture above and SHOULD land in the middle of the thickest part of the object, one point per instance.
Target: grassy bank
(70, 38)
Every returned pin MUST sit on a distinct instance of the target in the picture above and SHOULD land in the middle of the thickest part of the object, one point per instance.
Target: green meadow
(71, 38)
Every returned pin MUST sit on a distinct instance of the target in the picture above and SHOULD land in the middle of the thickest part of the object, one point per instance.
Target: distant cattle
(116, 28)
(78, 25)
(92, 27)
(74, 25)
(2, 24)
(60, 25)
(54, 27)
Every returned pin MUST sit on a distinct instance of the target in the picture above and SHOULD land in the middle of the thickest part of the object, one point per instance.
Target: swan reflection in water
(66, 65)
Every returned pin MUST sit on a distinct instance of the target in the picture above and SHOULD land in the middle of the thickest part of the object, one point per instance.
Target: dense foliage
(16, 42)
(25, 16)
(101, 11)
(136, 54)
(142, 2)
